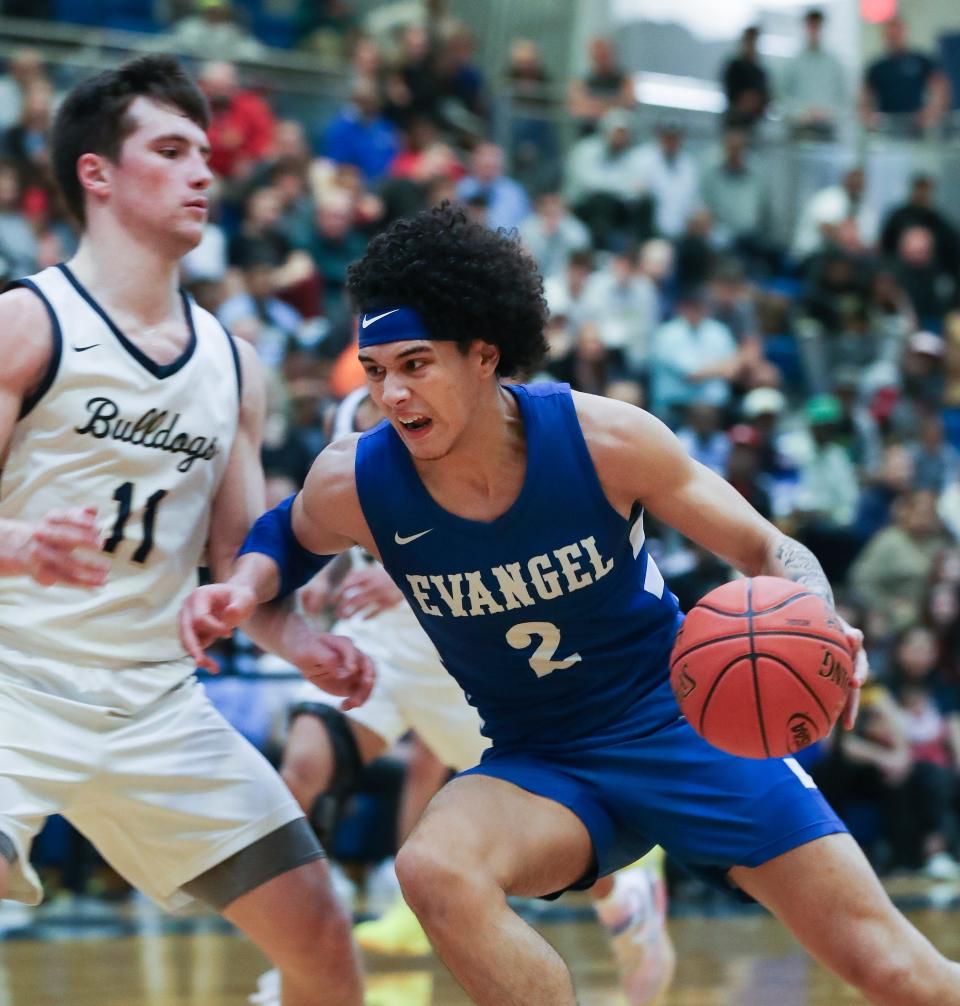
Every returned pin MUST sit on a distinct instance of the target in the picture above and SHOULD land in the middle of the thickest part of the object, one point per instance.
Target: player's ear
(489, 356)
(94, 173)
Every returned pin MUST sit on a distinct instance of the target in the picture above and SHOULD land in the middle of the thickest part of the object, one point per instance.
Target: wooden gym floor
(97, 955)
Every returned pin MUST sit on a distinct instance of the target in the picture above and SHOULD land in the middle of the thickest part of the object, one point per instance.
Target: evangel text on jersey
(512, 585)
(154, 429)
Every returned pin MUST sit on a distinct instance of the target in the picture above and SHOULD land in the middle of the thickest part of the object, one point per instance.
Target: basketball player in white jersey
(130, 426)
(325, 750)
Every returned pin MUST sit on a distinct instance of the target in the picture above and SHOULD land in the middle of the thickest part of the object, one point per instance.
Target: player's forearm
(15, 536)
(786, 557)
(258, 573)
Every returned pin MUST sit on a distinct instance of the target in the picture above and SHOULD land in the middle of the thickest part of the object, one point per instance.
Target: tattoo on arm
(798, 563)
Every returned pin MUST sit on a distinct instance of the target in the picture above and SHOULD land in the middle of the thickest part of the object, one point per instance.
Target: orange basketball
(761, 667)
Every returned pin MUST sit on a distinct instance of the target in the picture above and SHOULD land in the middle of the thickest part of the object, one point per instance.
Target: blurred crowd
(819, 375)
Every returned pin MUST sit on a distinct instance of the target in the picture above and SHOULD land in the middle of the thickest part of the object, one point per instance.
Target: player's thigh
(827, 894)
(481, 826)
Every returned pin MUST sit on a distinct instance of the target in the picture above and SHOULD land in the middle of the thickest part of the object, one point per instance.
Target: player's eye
(416, 364)
(169, 152)
(374, 373)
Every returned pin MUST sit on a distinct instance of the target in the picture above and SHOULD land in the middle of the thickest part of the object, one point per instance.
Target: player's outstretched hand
(210, 613)
(368, 590)
(60, 550)
(861, 671)
(331, 662)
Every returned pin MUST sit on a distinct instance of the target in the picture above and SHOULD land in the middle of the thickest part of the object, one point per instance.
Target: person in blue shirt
(360, 135)
(511, 518)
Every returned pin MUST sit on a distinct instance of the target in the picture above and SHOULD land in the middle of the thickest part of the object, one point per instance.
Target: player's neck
(489, 450)
(127, 274)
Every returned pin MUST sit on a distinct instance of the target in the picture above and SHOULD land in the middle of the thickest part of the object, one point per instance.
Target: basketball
(761, 667)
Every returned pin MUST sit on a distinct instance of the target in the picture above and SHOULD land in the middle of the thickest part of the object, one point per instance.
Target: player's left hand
(861, 671)
(330, 662)
(368, 590)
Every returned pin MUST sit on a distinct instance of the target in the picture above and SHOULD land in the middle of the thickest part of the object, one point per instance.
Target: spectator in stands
(335, 245)
(534, 148)
(837, 216)
(671, 179)
(260, 227)
(564, 293)
(425, 156)
(256, 313)
(621, 302)
(813, 88)
(857, 430)
(552, 233)
(929, 709)
(743, 471)
(920, 210)
(736, 193)
(24, 68)
(290, 180)
(462, 87)
(241, 129)
(213, 32)
(827, 489)
(605, 86)
(892, 571)
(921, 379)
(731, 299)
(507, 203)
(885, 484)
(904, 90)
(18, 243)
(745, 82)
(325, 27)
(605, 185)
(694, 360)
(703, 438)
(26, 142)
(411, 85)
(931, 287)
(936, 462)
(360, 135)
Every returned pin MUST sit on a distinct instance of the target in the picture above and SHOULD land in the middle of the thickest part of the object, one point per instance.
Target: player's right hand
(59, 550)
(210, 613)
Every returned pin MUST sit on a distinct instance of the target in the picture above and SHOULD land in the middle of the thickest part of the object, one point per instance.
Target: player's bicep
(240, 498)
(26, 346)
(327, 518)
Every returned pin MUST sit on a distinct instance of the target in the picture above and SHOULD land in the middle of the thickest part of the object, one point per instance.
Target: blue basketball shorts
(709, 810)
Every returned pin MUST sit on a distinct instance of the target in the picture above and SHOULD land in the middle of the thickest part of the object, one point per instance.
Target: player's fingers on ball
(861, 669)
(851, 710)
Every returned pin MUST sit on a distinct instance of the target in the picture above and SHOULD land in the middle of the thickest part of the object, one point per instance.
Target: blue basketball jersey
(553, 618)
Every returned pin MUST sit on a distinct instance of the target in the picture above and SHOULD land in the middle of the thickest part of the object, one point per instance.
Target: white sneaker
(268, 990)
(639, 939)
(942, 866)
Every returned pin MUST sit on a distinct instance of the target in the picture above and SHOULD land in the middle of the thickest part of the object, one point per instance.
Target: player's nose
(395, 390)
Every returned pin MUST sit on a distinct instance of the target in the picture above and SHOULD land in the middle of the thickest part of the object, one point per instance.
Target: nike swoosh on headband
(367, 322)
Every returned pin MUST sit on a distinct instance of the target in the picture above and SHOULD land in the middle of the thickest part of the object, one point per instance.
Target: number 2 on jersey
(522, 635)
(124, 497)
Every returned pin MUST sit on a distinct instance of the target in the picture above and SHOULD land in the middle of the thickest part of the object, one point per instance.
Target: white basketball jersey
(147, 445)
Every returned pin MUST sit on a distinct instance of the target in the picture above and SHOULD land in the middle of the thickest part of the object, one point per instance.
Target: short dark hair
(815, 14)
(93, 118)
(464, 280)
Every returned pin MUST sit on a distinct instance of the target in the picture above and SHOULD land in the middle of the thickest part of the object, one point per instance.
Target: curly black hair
(464, 280)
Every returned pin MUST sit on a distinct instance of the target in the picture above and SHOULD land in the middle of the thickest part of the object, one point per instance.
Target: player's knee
(305, 779)
(884, 970)
(321, 929)
(436, 882)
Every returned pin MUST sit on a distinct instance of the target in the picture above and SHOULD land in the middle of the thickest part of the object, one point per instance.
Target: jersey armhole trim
(231, 342)
(33, 399)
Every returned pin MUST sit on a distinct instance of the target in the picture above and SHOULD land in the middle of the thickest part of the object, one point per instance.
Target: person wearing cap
(510, 516)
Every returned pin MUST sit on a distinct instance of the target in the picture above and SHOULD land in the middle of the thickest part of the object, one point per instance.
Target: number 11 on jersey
(124, 497)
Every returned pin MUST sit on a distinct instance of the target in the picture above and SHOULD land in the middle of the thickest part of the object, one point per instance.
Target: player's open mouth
(416, 424)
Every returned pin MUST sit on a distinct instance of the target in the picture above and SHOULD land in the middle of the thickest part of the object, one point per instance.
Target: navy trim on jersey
(159, 370)
(236, 359)
(30, 402)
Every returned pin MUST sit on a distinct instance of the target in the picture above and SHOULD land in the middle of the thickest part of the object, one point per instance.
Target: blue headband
(392, 324)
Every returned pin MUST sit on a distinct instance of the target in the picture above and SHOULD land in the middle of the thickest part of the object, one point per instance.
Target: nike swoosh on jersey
(83, 349)
(413, 537)
(367, 322)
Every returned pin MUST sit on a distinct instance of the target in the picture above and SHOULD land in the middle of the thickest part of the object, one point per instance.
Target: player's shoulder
(333, 470)
(609, 423)
(26, 336)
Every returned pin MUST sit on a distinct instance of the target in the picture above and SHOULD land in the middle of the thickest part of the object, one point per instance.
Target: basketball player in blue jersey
(130, 426)
(511, 519)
